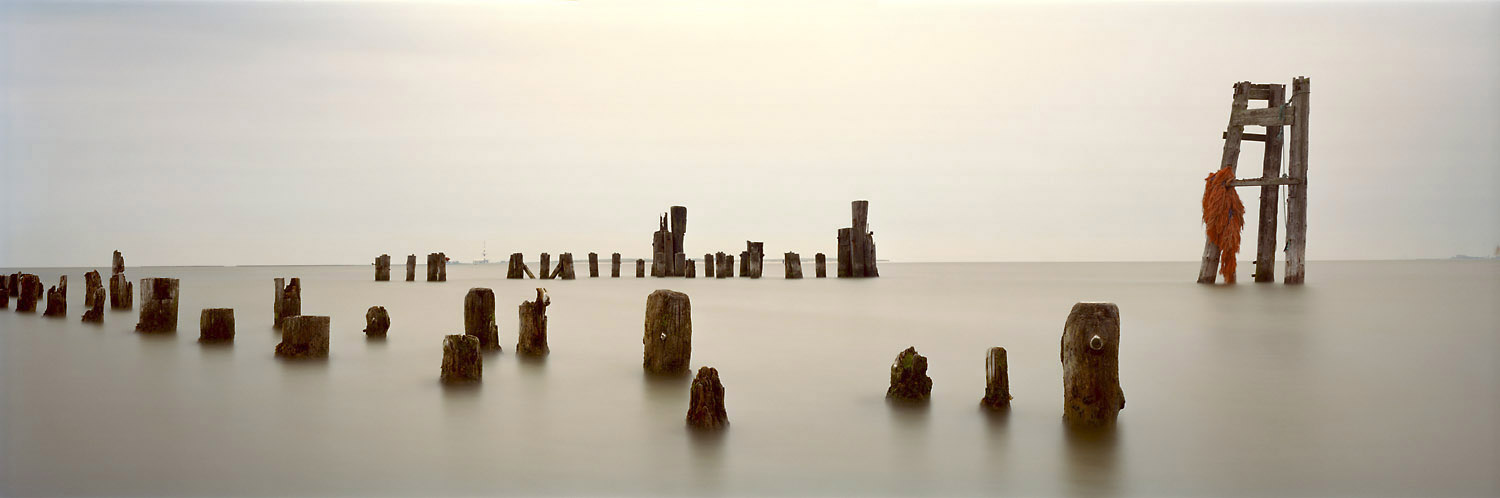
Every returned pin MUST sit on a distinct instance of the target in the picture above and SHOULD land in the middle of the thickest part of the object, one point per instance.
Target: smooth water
(1375, 378)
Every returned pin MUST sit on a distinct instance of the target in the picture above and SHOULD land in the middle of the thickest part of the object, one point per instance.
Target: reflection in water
(532, 366)
(708, 458)
(1091, 460)
(668, 388)
(375, 339)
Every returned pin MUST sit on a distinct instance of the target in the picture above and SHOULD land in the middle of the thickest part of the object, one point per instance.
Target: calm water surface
(1375, 378)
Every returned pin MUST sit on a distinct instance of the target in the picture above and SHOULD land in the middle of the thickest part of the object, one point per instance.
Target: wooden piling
(708, 266)
(1296, 203)
(289, 302)
(411, 267)
(30, 291)
(593, 265)
(479, 318)
(91, 282)
(545, 266)
(95, 313)
(1091, 365)
(706, 401)
(159, 300)
(669, 332)
(857, 244)
(1208, 270)
(531, 338)
(727, 270)
(57, 299)
(689, 269)
(640, 268)
(304, 336)
(1270, 195)
(821, 263)
(996, 380)
(383, 268)
(462, 361)
(614, 265)
(377, 321)
(793, 263)
(909, 380)
(216, 325)
(564, 268)
(513, 267)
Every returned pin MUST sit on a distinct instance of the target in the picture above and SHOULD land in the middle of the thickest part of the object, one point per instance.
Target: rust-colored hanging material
(1223, 219)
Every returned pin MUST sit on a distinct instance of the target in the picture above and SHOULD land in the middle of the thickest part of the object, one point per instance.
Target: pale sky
(205, 133)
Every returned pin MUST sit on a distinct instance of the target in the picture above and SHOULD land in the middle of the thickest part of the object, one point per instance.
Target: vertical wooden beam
(1209, 269)
(1296, 201)
(1270, 196)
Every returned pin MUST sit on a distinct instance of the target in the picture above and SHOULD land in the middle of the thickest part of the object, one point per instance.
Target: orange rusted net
(1223, 219)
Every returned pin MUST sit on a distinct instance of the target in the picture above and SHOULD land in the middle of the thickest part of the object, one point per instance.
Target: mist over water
(1375, 378)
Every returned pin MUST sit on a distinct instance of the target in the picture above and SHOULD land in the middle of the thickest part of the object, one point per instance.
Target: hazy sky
(301, 133)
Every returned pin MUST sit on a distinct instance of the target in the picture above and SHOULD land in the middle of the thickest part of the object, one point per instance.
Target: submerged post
(411, 267)
(909, 380)
(383, 268)
(640, 268)
(1296, 197)
(57, 298)
(996, 380)
(91, 282)
(545, 266)
(303, 336)
(857, 245)
(669, 332)
(95, 313)
(216, 325)
(288, 301)
(614, 265)
(461, 360)
(1091, 364)
(708, 266)
(377, 321)
(479, 317)
(515, 267)
(793, 263)
(689, 269)
(158, 305)
(593, 265)
(531, 340)
(30, 291)
(1270, 195)
(821, 262)
(706, 401)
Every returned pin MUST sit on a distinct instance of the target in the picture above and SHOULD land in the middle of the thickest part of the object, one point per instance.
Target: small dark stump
(377, 321)
(121, 292)
(91, 281)
(303, 337)
(216, 325)
(531, 340)
(461, 359)
(909, 380)
(640, 268)
(479, 318)
(57, 299)
(706, 407)
(158, 305)
(669, 332)
(95, 313)
(30, 291)
(996, 380)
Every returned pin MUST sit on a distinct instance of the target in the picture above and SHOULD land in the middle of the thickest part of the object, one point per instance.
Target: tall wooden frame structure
(1277, 114)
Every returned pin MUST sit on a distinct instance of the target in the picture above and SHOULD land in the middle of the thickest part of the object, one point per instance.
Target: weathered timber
(755, 256)
(462, 361)
(383, 267)
(304, 336)
(640, 268)
(411, 267)
(30, 291)
(744, 264)
(726, 270)
(614, 265)
(793, 263)
(821, 265)
(1270, 195)
(1268, 116)
(996, 380)
(121, 292)
(708, 266)
(593, 265)
(91, 281)
(57, 299)
(158, 305)
(289, 301)
(1248, 137)
(117, 264)
(668, 258)
(845, 260)
(4, 292)
(95, 313)
(377, 321)
(857, 245)
(689, 269)
(669, 332)
(1209, 269)
(1264, 182)
(531, 339)
(437, 267)
(909, 380)
(479, 318)
(514, 265)
(545, 266)
(564, 266)
(1296, 197)
(1091, 364)
(706, 401)
(216, 325)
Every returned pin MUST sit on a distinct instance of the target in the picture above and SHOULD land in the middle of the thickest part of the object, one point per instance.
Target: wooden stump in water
(57, 298)
(4, 292)
(793, 263)
(216, 325)
(288, 301)
(383, 268)
(640, 268)
(461, 359)
(744, 264)
(531, 339)
(30, 292)
(377, 321)
(669, 332)
(909, 380)
(411, 267)
(303, 336)
(614, 265)
(706, 405)
(479, 318)
(158, 305)
(117, 265)
(689, 269)
(564, 266)
(727, 269)
(513, 267)
(91, 281)
(593, 265)
(544, 266)
(821, 265)
(708, 266)
(95, 313)
(121, 292)
(1091, 365)
(996, 380)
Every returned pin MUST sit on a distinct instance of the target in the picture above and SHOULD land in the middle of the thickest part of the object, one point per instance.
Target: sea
(1376, 378)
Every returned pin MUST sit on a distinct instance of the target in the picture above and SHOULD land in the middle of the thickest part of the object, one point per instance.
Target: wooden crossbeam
(1253, 137)
(1269, 116)
(1260, 92)
(1265, 182)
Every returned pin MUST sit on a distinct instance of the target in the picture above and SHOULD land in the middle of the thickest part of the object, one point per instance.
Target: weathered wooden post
(158, 305)
(383, 268)
(996, 380)
(668, 257)
(706, 403)
(909, 380)
(442, 261)
(303, 336)
(640, 268)
(531, 340)
(593, 265)
(821, 263)
(545, 266)
(669, 332)
(708, 266)
(689, 269)
(1091, 364)
(121, 291)
(614, 265)
(411, 267)
(91, 281)
(1296, 194)
(216, 325)
(95, 313)
(288, 301)
(30, 291)
(377, 321)
(755, 258)
(513, 267)
(744, 264)
(564, 266)
(1270, 195)
(793, 263)
(57, 298)
(431, 267)
(4, 292)
(857, 245)
(117, 264)
(727, 270)
(461, 360)
(479, 318)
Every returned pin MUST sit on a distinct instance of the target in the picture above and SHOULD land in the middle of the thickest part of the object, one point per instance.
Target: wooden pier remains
(614, 265)
(1277, 114)
(383, 268)
(857, 245)
(821, 262)
(593, 265)
(668, 258)
(793, 263)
